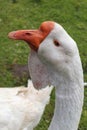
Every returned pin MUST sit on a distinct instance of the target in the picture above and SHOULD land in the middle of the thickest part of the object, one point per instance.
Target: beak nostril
(28, 33)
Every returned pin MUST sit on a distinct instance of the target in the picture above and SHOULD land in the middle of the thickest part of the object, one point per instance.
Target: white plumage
(55, 60)
(21, 108)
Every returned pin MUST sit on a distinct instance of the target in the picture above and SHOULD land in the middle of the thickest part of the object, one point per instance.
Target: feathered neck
(68, 99)
(68, 108)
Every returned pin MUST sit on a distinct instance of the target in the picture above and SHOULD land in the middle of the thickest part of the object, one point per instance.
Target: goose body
(21, 108)
(55, 54)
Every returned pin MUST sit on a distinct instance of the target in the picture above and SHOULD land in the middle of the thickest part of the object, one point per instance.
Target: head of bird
(52, 44)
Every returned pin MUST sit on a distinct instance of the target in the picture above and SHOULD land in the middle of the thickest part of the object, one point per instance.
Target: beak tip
(11, 35)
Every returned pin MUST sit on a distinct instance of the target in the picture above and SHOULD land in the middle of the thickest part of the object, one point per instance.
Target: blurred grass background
(29, 14)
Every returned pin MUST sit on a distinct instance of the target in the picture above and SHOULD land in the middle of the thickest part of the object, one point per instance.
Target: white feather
(21, 108)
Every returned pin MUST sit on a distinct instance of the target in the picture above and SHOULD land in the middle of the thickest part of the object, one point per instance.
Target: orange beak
(33, 37)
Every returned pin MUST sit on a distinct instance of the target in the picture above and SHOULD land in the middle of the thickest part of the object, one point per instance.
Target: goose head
(53, 47)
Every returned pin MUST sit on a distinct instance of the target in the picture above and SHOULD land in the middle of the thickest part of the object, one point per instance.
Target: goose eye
(56, 43)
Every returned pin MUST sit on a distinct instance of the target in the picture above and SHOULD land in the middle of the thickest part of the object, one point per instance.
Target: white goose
(55, 54)
(22, 108)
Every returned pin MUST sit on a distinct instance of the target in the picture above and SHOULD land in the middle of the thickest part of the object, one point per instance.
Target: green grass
(24, 14)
